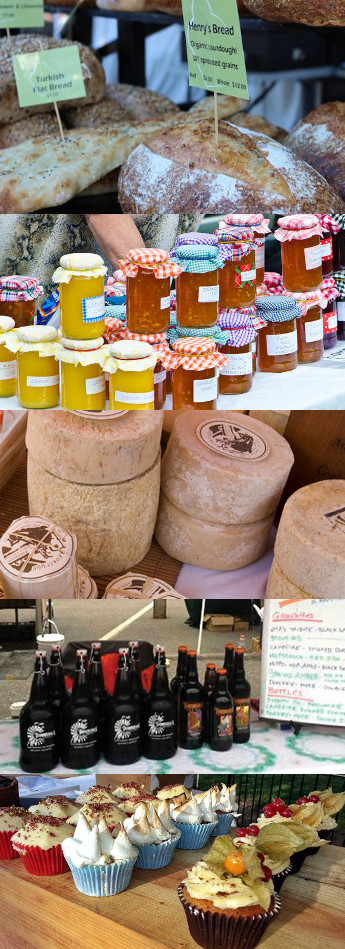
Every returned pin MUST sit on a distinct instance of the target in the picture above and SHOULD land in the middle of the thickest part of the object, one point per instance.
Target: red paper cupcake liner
(44, 862)
(218, 931)
(6, 849)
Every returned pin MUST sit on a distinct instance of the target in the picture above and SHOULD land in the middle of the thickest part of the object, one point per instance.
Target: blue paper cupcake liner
(194, 836)
(103, 881)
(156, 856)
(223, 825)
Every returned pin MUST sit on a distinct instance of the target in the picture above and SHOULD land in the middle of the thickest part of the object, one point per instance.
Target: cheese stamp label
(233, 440)
(337, 518)
(34, 547)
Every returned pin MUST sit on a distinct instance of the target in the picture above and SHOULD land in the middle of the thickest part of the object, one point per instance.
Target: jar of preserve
(339, 243)
(38, 380)
(81, 284)
(159, 343)
(82, 376)
(237, 279)
(329, 294)
(8, 363)
(148, 273)
(329, 228)
(195, 363)
(197, 286)
(309, 327)
(339, 279)
(237, 375)
(277, 342)
(259, 228)
(300, 238)
(130, 366)
(18, 298)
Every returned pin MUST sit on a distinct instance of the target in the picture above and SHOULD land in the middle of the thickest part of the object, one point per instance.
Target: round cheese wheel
(209, 545)
(113, 524)
(279, 586)
(225, 467)
(310, 543)
(38, 559)
(89, 450)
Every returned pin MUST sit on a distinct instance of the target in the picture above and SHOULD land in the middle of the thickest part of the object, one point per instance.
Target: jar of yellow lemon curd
(131, 381)
(8, 363)
(81, 285)
(82, 376)
(38, 381)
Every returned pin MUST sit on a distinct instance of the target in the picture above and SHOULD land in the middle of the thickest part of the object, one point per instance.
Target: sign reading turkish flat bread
(20, 13)
(214, 46)
(303, 661)
(50, 75)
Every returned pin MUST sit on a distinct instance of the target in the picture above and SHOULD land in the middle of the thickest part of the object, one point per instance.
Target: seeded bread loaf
(311, 12)
(35, 125)
(141, 104)
(180, 168)
(320, 139)
(127, 6)
(10, 110)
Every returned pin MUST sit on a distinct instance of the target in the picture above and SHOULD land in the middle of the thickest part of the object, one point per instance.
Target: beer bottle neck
(39, 686)
(123, 686)
(222, 685)
(181, 664)
(239, 666)
(80, 690)
(192, 674)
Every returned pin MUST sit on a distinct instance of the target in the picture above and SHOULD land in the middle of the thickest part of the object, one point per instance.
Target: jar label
(282, 344)
(260, 256)
(239, 364)
(313, 331)
(126, 732)
(194, 718)
(165, 303)
(247, 275)
(95, 385)
(312, 256)
(134, 398)
(159, 376)
(326, 249)
(330, 322)
(37, 739)
(341, 311)
(208, 294)
(81, 736)
(337, 518)
(159, 727)
(8, 370)
(204, 390)
(93, 309)
(233, 440)
(224, 723)
(242, 714)
(37, 382)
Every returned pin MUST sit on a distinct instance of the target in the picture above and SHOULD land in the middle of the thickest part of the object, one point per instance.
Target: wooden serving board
(50, 913)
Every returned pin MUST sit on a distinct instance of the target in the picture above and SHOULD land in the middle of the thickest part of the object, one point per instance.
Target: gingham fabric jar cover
(17, 288)
(297, 227)
(197, 253)
(328, 224)
(147, 258)
(255, 221)
(193, 354)
(339, 280)
(234, 243)
(328, 291)
(278, 309)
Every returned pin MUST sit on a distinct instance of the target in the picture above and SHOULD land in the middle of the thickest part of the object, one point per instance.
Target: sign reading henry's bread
(214, 46)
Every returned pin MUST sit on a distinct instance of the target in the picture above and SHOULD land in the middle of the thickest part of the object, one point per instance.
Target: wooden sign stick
(8, 34)
(56, 110)
(215, 95)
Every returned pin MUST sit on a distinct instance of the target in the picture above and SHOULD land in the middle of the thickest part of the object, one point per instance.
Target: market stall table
(269, 751)
(48, 912)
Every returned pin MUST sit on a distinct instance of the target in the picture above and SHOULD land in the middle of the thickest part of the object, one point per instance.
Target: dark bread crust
(320, 139)
(311, 12)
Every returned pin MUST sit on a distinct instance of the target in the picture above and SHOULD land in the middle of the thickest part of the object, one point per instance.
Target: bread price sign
(214, 47)
(20, 13)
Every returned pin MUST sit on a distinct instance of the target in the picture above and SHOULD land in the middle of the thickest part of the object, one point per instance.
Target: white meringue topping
(95, 846)
(146, 827)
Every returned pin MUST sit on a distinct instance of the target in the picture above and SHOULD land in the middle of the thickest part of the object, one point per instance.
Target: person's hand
(116, 234)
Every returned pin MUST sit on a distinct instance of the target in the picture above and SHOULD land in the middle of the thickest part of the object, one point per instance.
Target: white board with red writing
(303, 661)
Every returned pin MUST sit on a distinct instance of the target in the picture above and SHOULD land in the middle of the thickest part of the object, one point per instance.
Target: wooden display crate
(50, 913)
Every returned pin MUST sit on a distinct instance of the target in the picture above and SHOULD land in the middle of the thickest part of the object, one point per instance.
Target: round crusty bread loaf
(311, 12)
(126, 6)
(10, 110)
(257, 123)
(107, 113)
(227, 105)
(32, 127)
(140, 104)
(181, 168)
(320, 139)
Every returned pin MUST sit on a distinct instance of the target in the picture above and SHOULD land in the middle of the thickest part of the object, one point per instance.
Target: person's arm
(116, 234)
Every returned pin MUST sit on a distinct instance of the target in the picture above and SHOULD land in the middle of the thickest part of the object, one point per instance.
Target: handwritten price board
(214, 46)
(303, 661)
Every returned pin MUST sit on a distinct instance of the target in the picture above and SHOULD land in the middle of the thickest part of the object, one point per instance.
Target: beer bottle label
(126, 732)
(160, 727)
(194, 718)
(223, 722)
(81, 735)
(38, 739)
(242, 715)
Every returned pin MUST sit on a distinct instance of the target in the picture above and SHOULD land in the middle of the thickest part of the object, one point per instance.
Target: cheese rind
(239, 480)
(207, 544)
(100, 450)
(114, 523)
(279, 586)
(310, 542)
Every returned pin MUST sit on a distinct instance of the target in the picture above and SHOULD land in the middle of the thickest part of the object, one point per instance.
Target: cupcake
(92, 811)
(308, 814)
(155, 842)
(124, 791)
(55, 806)
(101, 863)
(11, 819)
(331, 804)
(129, 805)
(226, 807)
(268, 845)
(227, 898)
(174, 793)
(96, 794)
(38, 843)
(195, 819)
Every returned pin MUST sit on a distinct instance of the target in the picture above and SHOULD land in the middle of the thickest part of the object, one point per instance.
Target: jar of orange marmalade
(195, 363)
(18, 298)
(259, 228)
(300, 238)
(309, 327)
(148, 273)
(237, 279)
(237, 375)
(197, 287)
(277, 342)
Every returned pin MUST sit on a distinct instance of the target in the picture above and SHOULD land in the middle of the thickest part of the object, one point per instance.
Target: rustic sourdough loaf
(179, 169)
(311, 12)
(230, 108)
(33, 127)
(131, 6)
(320, 139)
(107, 113)
(227, 105)
(129, 104)
(10, 110)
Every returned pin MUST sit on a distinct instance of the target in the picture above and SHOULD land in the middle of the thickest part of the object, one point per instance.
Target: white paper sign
(303, 661)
